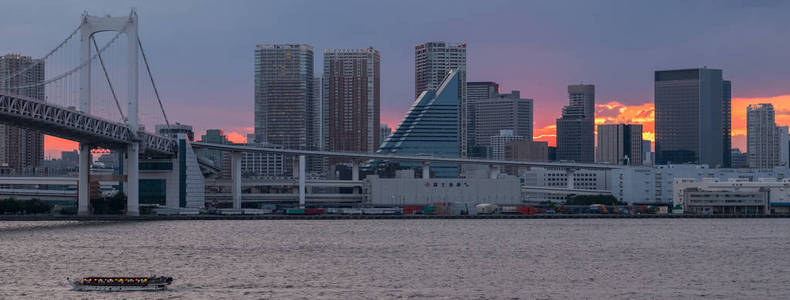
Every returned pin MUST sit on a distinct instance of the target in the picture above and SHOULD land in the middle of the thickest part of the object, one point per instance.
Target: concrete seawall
(364, 217)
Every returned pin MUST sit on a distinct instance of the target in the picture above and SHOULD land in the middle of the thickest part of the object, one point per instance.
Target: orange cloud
(781, 105)
(54, 145)
(616, 113)
(546, 134)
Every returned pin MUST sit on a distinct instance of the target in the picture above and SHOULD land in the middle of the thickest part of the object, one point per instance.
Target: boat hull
(117, 288)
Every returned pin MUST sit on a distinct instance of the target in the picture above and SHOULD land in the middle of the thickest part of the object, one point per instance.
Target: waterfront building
(497, 143)
(256, 164)
(761, 136)
(173, 130)
(620, 144)
(501, 112)
(576, 128)
(22, 150)
(352, 90)
(430, 127)
(285, 112)
(733, 196)
(691, 117)
(432, 62)
(637, 184)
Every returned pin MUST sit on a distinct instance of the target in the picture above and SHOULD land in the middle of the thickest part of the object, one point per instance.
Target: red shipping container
(411, 209)
(526, 210)
(313, 211)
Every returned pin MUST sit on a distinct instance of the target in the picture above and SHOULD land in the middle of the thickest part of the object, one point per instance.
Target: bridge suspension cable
(41, 60)
(153, 83)
(79, 67)
(109, 82)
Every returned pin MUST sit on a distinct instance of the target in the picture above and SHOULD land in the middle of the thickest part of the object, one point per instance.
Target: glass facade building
(430, 128)
(692, 116)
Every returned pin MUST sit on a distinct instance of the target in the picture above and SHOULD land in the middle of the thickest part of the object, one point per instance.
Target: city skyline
(539, 64)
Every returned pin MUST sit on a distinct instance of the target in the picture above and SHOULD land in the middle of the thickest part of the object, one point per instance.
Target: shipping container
(313, 211)
(294, 211)
(412, 210)
(428, 210)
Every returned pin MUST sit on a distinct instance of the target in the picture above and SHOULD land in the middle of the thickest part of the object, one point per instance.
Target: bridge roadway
(70, 124)
(387, 157)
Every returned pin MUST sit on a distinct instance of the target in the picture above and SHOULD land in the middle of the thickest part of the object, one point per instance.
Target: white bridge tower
(90, 26)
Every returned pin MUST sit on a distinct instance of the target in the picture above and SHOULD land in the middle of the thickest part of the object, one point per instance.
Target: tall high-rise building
(498, 142)
(384, 132)
(726, 123)
(620, 144)
(647, 153)
(430, 128)
(285, 112)
(21, 149)
(476, 91)
(691, 116)
(783, 146)
(432, 62)
(576, 128)
(352, 90)
(501, 112)
(739, 159)
(214, 136)
(761, 136)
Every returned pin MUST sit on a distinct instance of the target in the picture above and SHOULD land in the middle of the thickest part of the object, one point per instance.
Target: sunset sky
(202, 51)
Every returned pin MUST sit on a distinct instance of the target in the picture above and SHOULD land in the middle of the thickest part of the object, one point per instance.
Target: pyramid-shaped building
(430, 128)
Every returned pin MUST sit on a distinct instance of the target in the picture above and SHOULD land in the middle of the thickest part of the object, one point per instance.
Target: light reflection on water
(585, 258)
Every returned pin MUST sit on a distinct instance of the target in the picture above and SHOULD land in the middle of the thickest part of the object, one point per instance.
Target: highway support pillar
(84, 187)
(355, 170)
(426, 170)
(302, 180)
(570, 176)
(235, 167)
(133, 179)
(493, 172)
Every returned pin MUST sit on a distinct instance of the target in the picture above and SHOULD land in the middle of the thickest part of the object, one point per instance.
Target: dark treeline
(594, 199)
(12, 206)
(114, 205)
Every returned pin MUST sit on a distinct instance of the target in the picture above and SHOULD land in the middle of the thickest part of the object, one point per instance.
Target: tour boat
(153, 283)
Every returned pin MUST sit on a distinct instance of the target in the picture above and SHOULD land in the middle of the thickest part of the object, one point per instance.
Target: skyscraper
(761, 136)
(576, 128)
(384, 132)
(352, 91)
(620, 144)
(432, 62)
(21, 149)
(726, 123)
(783, 146)
(476, 91)
(501, 112)
(691, 116)
(285, 114)
(498, 142)
(430, 128)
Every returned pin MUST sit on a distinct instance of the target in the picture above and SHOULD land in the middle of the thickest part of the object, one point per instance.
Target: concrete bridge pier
(83, 186)
(133, 179)
(426, 170)
(302, 180)
(235, 162)
(570, 172)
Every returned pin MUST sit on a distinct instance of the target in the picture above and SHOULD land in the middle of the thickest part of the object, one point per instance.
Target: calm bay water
(549, 259)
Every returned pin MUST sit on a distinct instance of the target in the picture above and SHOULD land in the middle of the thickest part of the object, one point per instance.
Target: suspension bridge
(65, 103)
(73, 92)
